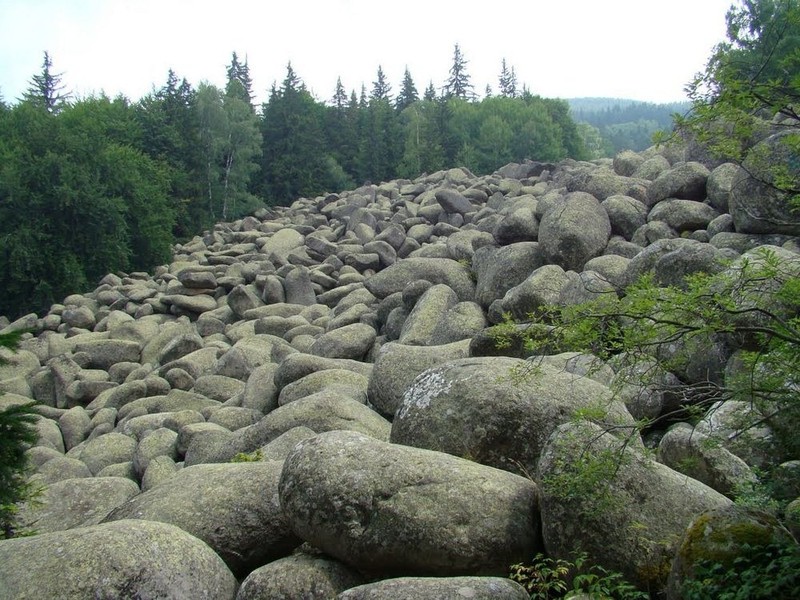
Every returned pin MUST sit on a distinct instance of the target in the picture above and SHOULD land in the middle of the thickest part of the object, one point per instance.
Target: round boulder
(126, 559)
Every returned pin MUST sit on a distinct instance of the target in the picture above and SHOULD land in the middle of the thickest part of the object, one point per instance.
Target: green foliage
(751, 76)
(758, 572)
(547, 578)
(17, 433)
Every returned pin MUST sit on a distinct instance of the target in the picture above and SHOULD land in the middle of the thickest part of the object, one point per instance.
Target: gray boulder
(436, 270)
(126, 559)
(438, 588)
(497, 270)
(604, 495)
(355, 384)
(626, 214)
(497, 411)
(574, 232)
(686, 181)
(351, 341)
(683, 215)
(77, 502)
(541, 288)
(107, 450)
(397, 365)
(231, 507)
(690, 452)
(388, 509)
(755, 205)
(438, 318)
(719, 185)
(307, 576)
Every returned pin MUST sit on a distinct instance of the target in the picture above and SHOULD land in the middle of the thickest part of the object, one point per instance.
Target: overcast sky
(639, 49)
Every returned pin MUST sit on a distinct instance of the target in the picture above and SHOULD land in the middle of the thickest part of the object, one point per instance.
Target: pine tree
(239, 85)
(430, 92)
(508, 81)
(408, 93)
(380, 87)
(46, 90)
(458, 84)
(339, 96)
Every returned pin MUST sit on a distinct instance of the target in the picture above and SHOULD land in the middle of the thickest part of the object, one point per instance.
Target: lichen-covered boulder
(232, 507)
(76, 502)
(602, 494)
(574, 231)
(438, 588)
(307, 576)
(388, 509)
(497, 411)
(718, 535)
(125, 559)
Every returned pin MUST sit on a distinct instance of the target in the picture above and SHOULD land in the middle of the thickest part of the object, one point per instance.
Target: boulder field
(308, 403)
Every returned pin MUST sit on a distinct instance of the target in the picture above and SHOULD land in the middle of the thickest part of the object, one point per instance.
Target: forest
(96, 184)
(625, 124)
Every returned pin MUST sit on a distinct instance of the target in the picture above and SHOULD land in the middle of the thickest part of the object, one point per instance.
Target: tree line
(98, 184)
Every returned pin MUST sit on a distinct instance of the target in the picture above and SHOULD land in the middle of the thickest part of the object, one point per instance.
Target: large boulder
(686, 181)
(436, 270)
(718, 536)
(756, 206)
(307, 576)
(74, 503)
(499, 269)
(497, 411)
(438, 588)
(389, 509)
(232, 507)
(397, 365)
(602, 494)
(574, 232)
(125, 559)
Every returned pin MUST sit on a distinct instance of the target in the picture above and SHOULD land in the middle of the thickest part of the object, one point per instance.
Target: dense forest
(97, 184)
(624, 124)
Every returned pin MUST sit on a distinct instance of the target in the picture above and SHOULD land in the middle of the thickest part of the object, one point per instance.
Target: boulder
(307, 576)
(389, 509)
(350, 342)
(436, 270)
(438, 588)
(718, 535)
(574, 232)
(755, 205)
(231, 507)
(126, 559)
(686, 181)
(603, 494)
(690, 452)
(77, 502)
(397, 365)
(497, 411)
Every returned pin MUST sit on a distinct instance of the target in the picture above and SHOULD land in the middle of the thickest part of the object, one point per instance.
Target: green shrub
(548, 578)
(758, 572)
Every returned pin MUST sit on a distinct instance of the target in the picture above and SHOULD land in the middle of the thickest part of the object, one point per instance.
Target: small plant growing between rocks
(255, 456)
(548, 578)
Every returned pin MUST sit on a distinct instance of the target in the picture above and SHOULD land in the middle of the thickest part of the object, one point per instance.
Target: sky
(644, 50)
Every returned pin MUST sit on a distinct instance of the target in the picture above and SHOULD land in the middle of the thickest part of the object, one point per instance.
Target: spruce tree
(508, 81)
(380, 87)
(430, 92)
(240, 84)
(408, 93)
(339, 96)
(458, 84)
(46, 90)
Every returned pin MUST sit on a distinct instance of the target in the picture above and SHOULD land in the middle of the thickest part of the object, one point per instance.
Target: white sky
(639, 49)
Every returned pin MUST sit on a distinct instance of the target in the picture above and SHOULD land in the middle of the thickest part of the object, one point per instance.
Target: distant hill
(625, 124)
